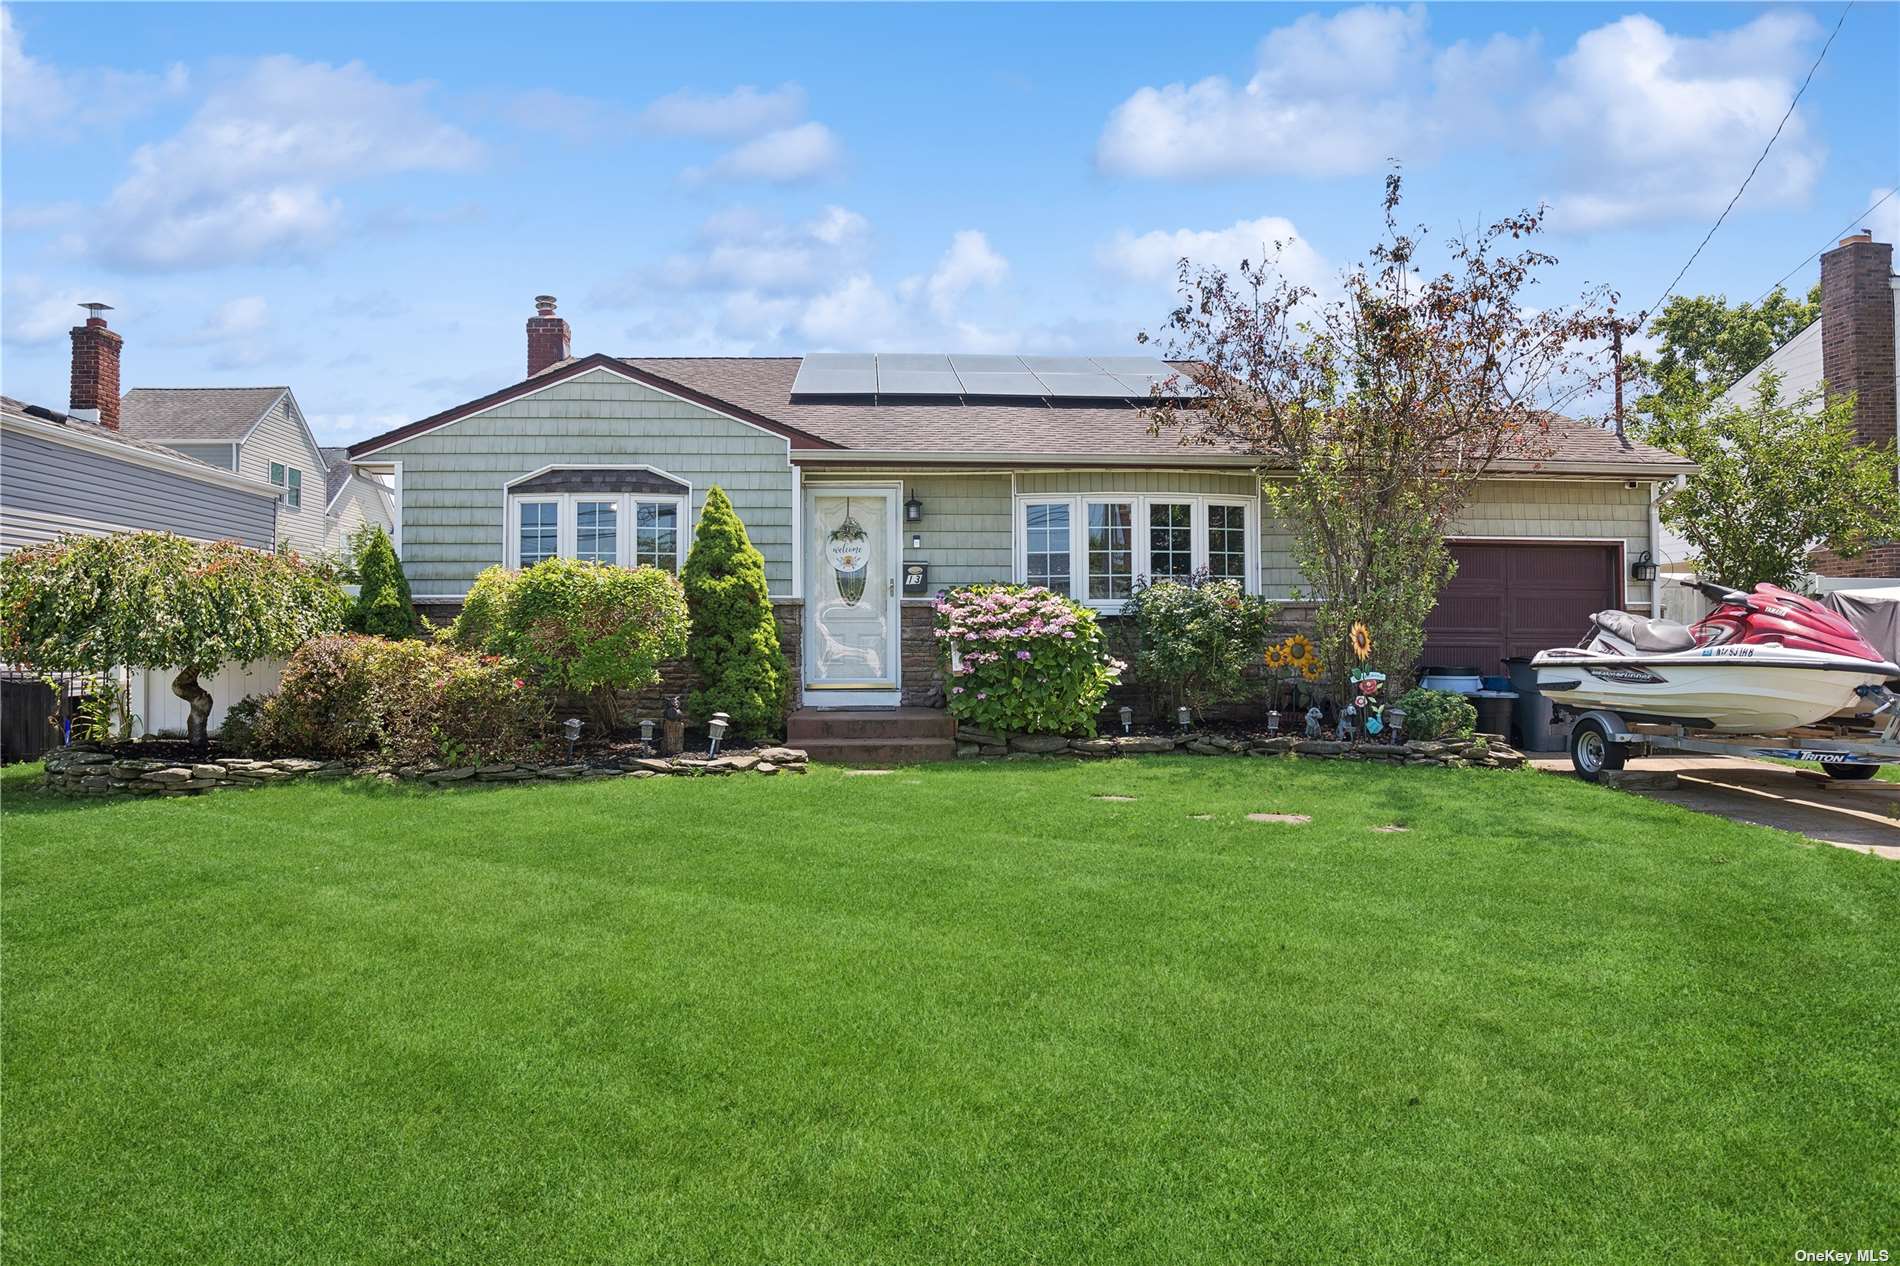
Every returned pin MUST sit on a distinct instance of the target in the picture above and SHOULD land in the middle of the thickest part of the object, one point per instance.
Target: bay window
(1159, 537)
(629, 517)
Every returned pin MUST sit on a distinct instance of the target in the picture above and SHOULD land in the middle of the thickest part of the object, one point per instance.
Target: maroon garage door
(1512, 599)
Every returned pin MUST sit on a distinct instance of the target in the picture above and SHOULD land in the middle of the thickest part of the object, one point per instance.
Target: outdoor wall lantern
(1182, 718)
(572, 728)
(913, 510)
(717, 729)
(1643, 568)
(646, 729)
(1128, 719)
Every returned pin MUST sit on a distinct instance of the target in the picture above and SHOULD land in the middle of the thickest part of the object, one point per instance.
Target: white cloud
(787, 156)
(753, 282)
(1330, 95)
(34, 312)
(1652, 125)
(1155, 256)
(42, 101)
(969, 262)
(1885, 221)
(251, 175)
(745, 111)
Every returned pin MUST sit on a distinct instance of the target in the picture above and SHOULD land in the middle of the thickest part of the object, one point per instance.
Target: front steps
(873, 736)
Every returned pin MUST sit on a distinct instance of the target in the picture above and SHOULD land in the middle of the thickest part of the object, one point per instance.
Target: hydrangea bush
(1023, 659)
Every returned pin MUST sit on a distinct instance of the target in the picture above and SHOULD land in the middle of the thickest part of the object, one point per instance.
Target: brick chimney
(547, 336)
(1857, 354)
(95, 385)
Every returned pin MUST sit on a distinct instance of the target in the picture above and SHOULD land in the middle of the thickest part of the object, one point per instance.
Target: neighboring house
(1853, 346)
(62, 474)
(928, 471)
(256, 431)
(352, 499)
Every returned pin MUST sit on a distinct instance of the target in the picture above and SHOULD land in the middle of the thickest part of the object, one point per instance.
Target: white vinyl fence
(159, 711)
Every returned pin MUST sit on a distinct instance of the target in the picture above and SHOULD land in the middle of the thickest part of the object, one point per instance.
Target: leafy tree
(1707, 345)
(158, 601)
(589, 628)
(1373, 416)
(383, 606)
(1779, 477)
(734, 644)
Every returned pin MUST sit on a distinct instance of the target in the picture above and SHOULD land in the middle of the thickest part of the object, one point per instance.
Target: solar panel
(1018, 383)
(916, 374)
(1076, 386)
(985, 363)
(836, 374)
(1060, 365)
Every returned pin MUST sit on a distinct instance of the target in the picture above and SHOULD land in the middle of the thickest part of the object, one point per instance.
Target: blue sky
(361, 200)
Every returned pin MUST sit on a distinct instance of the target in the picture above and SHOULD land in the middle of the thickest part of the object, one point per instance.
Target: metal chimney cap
(97, 308)
(544, 304)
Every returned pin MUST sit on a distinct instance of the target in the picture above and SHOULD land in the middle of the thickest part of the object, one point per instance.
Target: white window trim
(1078, 504)
(568, 522)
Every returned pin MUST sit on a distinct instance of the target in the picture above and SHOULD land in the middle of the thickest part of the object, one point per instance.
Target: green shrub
(1194, 642)
(1023, 659)
(1431, 714)
(587, 628)
(734, 646)
(383, 606)
(407, 702)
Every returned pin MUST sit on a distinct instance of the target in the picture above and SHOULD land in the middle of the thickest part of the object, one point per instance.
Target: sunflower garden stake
(1365, 684)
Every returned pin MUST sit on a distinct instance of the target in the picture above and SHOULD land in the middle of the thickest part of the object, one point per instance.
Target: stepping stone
(1116, 799)
(1391, 830)
(1290, 819)
(867, 773)
(1201, 817)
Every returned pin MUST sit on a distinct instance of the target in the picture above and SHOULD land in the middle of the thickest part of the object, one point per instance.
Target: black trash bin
(1537, 731)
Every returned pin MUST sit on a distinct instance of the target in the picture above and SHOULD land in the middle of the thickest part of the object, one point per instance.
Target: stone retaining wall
(1484, 751)
(88, 771)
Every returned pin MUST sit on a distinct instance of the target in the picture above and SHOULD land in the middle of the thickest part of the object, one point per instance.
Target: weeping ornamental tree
(1373, 414)
(158, 601)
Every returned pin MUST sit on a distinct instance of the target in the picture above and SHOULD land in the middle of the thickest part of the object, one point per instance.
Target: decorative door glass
(849, 587)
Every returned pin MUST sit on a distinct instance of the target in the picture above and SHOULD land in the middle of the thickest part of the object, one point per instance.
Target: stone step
(820, 725)
(860, 752)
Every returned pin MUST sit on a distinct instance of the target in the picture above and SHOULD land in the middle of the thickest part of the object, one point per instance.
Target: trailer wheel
(1592, 752)
(1851, 773)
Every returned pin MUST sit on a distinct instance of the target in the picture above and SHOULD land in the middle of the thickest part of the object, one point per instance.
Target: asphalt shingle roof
(336, 471)
(195, 414)
(763, 385)
(39, 413)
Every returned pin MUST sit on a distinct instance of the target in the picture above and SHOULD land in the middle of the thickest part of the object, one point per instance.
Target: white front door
(851, 603)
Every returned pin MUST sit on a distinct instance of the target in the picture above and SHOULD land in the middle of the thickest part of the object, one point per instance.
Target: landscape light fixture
(913, 510)
(1128, 719)
(1644, 568)
(572, 728)
(1395, 722)
(1182, 717)
(716, 728)
(646, 729)
(1273, 721)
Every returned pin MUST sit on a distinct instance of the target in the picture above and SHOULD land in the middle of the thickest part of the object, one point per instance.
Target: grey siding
(218, 455)
(48, 487)
(453, 477)
(280, 437)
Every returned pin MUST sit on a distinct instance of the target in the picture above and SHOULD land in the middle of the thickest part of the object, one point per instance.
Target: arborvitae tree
(734, 640)
(383, 606)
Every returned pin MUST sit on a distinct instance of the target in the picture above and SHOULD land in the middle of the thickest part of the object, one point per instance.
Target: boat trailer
(1850, 751)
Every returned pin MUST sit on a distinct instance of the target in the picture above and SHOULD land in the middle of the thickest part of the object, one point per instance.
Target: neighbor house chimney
(1858, 314)
(1857, 319)
(547, 336)
(95, 391)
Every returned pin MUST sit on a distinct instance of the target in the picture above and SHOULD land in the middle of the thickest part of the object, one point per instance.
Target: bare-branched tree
(1374, 414)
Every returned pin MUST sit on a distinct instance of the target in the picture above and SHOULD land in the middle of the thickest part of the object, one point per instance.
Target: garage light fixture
(1643, 568)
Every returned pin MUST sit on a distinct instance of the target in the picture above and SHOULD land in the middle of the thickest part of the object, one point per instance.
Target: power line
(1664, 298)
(1831, 239)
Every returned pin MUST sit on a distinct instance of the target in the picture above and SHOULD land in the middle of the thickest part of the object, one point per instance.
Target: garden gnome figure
(1313, 718)
(672, 728)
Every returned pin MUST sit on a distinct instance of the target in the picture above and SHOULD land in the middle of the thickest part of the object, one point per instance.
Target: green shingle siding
(452, 477)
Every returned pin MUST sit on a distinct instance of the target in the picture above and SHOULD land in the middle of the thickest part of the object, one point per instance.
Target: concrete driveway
(1857, 815)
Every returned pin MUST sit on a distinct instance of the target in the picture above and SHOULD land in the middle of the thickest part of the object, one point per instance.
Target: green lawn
(957, 1014)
